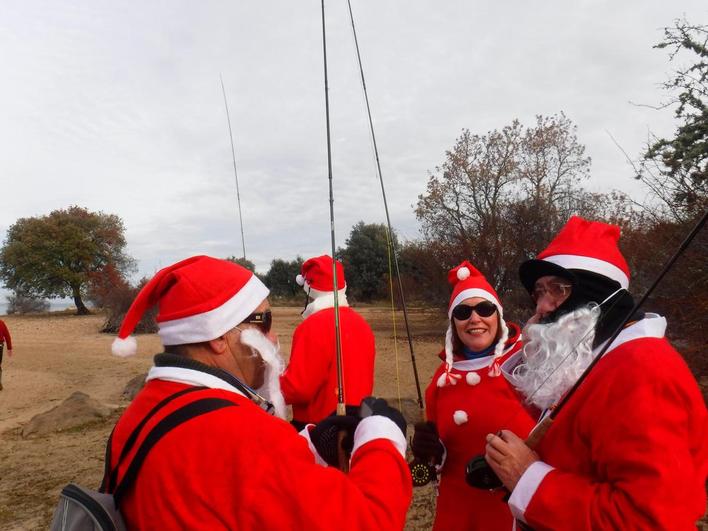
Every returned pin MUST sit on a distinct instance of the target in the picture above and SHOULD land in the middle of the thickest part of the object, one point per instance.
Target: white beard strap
(270, 355)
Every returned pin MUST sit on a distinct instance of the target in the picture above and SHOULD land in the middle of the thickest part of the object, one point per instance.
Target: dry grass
(58, 354)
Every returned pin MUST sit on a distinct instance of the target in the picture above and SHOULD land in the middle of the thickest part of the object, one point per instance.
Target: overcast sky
(117, 106)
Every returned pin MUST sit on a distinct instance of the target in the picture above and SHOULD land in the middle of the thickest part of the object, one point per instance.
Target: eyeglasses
(555, 290)
(264, 320)
(462, 312)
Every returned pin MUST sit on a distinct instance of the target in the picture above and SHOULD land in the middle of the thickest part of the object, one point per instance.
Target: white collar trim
(653, 325)
(477, 363)
(190, 377)
(474, 364)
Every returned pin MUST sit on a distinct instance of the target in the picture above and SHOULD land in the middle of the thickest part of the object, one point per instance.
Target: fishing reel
(479, 474)
(422, 472)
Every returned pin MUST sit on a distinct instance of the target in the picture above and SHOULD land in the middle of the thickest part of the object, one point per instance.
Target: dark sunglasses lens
(462, 312)
(485, 309)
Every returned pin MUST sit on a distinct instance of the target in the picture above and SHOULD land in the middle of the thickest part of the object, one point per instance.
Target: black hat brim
(531, 270)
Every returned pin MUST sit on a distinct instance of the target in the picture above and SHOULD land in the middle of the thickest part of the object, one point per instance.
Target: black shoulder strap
(171, 421)
(109, 476)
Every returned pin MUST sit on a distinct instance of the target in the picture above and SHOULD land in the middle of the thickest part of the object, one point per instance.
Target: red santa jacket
(630, 448)
(310, 381)
(240, 468)
(5, 335)
(465, 413)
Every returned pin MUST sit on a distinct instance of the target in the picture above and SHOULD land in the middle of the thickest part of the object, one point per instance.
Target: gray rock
(134, 386)
(77, 410)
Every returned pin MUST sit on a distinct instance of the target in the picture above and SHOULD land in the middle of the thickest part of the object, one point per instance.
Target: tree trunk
(81, 308)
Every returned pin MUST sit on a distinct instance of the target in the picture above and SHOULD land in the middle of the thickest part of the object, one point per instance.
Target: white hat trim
(214, 323)
(594, 265)
(474, 292)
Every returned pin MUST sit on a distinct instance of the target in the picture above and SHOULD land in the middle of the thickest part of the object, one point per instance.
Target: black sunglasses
(264, 320)
(462, 312)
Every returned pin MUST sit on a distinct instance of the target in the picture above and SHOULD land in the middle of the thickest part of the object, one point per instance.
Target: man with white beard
(231, 464)
(629, 450)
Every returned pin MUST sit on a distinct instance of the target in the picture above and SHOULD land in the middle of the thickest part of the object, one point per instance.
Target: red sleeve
(5, 335)
(309, 363)
(375, 494)
(649, 443)
(431, 396)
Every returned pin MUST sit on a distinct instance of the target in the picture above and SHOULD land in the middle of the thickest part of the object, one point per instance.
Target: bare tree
(498, 198)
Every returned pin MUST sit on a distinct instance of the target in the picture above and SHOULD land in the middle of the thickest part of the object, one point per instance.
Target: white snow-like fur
(463, 273)
(300, 280)
(472, 378)
(460, 417)
(124, 348)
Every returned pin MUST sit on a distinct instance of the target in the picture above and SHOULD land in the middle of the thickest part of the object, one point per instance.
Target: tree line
(496, 199)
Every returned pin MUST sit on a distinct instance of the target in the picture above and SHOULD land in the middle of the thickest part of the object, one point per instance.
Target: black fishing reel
(479, 474)
(421, 472)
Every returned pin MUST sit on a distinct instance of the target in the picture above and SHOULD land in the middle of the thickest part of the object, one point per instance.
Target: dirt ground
(59, 354)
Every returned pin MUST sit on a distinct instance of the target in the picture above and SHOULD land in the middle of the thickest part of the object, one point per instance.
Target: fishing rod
(478, 472)
(233, 156)
(341, 408)
(391, 243)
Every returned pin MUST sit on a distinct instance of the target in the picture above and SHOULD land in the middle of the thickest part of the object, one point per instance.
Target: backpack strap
(171, 421)
(109, 476)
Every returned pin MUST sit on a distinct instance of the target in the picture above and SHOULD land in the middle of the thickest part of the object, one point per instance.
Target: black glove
(325, 434)
(426, 445)
(378, 406)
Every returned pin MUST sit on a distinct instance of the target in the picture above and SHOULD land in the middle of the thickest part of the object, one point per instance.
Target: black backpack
(82, 509)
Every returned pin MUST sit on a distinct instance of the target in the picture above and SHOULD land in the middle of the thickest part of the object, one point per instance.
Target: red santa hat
(199, 299)
(317, 278)
(468, 282)
(581, 245)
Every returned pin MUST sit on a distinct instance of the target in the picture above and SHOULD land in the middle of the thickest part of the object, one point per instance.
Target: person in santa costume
(309, 382)
(629, 450)
(466, 399)
(240, 467)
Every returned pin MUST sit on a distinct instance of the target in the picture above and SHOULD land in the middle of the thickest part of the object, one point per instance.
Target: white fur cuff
(379, 427)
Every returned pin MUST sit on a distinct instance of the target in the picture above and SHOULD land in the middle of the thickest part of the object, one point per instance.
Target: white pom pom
(124, 347)
(472, 378)
(442, 379)
(460, 417)
(463, 273)
(300, 280)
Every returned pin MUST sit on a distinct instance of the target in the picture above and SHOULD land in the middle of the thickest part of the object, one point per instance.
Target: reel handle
(422, 473)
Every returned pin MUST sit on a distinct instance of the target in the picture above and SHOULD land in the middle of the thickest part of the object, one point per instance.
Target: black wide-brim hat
(531, 270)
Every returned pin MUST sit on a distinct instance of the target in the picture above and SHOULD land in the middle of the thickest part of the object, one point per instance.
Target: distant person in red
(310, 381)
(4, 338)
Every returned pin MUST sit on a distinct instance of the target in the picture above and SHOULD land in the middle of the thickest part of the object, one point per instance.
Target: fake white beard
(555, 355)
(270, 354)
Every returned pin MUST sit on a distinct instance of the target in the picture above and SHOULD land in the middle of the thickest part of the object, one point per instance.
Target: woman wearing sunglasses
(467, 399)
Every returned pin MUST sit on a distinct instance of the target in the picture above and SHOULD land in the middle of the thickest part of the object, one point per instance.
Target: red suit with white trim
(238, 467)
(241, 468)
(309, 382)
(464, 413)
(629, 450)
